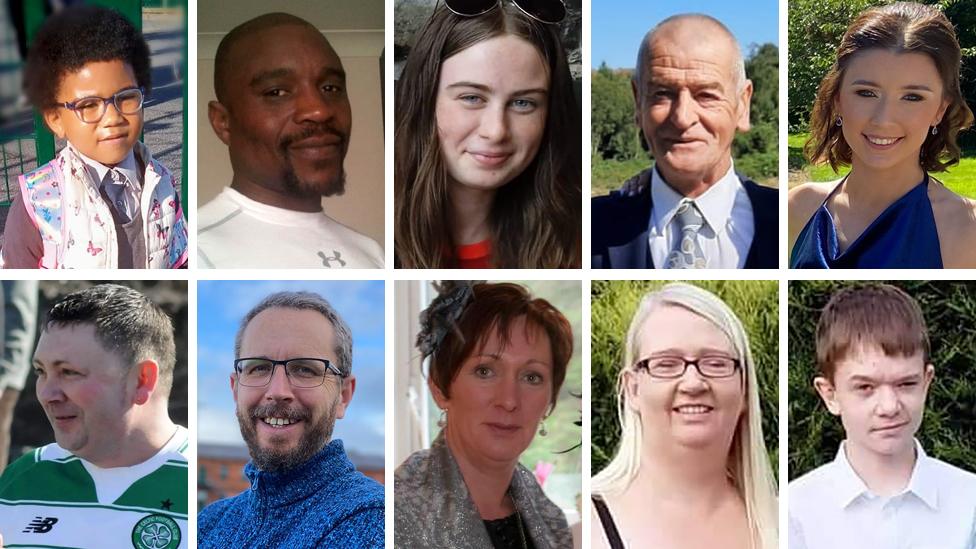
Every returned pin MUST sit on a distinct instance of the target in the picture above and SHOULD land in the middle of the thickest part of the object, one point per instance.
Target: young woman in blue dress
(891, 108)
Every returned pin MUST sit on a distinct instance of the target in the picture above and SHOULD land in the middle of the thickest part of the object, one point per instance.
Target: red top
(474, 256)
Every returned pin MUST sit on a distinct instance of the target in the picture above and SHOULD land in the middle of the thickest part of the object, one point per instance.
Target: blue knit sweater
(323, 502)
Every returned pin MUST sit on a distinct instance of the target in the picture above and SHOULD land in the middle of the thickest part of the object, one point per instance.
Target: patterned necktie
(115, 190)
(688, 253)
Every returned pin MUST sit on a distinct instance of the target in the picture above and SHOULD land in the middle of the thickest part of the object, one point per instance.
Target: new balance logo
(40, 525)
(327, 260)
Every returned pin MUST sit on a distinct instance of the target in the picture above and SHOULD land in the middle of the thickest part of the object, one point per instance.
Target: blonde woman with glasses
(691, 469)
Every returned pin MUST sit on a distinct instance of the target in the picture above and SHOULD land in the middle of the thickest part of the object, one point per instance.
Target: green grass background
(960, 178)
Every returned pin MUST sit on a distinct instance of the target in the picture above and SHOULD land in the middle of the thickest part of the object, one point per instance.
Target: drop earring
(442, 421)
(542, 428)
(935, 130)
(839, 122)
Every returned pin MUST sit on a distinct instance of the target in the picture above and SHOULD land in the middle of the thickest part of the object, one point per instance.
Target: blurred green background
(613, 304)
(948, 429)
(815, 30)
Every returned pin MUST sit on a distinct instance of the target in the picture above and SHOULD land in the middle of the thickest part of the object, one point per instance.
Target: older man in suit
(691, 209)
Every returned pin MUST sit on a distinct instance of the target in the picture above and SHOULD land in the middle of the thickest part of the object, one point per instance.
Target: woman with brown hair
(487, 149)
(498, 357)
(891, 108)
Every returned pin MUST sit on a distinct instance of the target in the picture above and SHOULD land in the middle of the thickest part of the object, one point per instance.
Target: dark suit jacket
(619, 229)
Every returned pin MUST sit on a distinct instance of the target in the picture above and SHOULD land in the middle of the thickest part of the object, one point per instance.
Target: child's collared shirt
(832, 508)
(131, 188)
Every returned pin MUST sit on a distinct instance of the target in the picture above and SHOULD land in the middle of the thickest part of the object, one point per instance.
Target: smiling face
(284, 425)
(110, 139)
(691, 411)
(880, 399)
(499, 395)
(688, 104)
(287, 119)
(491, 107)
(84, 391)
(889, 102)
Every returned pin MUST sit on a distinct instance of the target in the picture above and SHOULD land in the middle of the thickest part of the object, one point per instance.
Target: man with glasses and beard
(283, 112)
(292, 379)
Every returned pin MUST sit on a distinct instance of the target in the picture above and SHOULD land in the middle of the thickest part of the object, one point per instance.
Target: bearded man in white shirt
(881, 491)
(283, 112)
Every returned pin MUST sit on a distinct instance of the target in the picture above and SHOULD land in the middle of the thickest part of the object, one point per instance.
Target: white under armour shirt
(234, 231)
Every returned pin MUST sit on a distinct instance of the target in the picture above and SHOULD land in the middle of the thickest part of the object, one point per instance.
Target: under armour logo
(41, 525)
(326, 260)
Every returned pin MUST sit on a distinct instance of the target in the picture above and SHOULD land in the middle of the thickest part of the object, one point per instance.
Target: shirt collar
(923, 482)
(715, 204)
(848, 486)
(127, 167)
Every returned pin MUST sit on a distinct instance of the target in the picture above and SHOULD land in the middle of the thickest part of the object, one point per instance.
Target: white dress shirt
(729, 224)
(832, 508)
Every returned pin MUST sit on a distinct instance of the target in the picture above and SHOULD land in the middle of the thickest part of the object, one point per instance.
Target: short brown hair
(902, 27)
(126, 322)
(875, 316)
(496, 307)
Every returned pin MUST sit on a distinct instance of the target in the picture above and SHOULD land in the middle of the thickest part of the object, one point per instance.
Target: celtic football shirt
(50, 498)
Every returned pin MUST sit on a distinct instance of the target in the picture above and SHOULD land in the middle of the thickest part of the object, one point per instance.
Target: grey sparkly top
(432, 507)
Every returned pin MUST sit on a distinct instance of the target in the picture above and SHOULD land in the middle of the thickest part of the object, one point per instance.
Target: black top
(508, 533)
(608, 526)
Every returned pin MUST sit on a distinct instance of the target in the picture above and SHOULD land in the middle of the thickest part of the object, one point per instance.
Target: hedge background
(948, 429)
(613, 303)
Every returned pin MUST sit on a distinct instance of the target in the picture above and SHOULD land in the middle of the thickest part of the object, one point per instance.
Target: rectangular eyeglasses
(673, 367)
(301, 372)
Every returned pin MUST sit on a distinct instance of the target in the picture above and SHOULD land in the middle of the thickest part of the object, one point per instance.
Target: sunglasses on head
(545, 11)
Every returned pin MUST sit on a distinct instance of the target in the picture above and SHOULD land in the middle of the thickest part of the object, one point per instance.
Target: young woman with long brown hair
(487, 148)
(891, 108)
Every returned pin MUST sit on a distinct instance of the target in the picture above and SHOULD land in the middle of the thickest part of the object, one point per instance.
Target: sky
(220, 307)
(620, 25)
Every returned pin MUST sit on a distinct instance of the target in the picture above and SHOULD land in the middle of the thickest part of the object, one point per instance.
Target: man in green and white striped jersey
(117, 475)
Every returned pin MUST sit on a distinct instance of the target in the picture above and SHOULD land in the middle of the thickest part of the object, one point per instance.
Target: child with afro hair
(104, 201)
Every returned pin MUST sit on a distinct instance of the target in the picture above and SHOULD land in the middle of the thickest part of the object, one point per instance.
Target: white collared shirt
(832, 508)
(729, 225)
(133, 183)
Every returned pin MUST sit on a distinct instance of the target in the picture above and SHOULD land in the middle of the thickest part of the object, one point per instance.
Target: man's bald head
(227, 52)
(692, 29)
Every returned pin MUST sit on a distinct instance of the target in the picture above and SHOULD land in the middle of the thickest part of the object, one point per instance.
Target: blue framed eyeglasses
(90, 110)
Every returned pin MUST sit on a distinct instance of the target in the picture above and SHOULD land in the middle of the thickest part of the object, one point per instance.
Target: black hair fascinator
(443, 313)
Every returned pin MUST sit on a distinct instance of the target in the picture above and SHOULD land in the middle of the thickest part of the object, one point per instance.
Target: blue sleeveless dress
(904, 236)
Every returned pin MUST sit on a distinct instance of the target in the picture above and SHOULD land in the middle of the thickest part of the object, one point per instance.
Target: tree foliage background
(948, 430)
(613, 304)
(815, 30)
(616, 151)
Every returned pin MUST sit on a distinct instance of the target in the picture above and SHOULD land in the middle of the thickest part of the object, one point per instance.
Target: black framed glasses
(545, 11)
(90, 110)
(301, 372)
(673, 367)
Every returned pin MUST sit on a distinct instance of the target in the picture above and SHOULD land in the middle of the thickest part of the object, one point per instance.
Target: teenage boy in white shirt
(881, 491)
